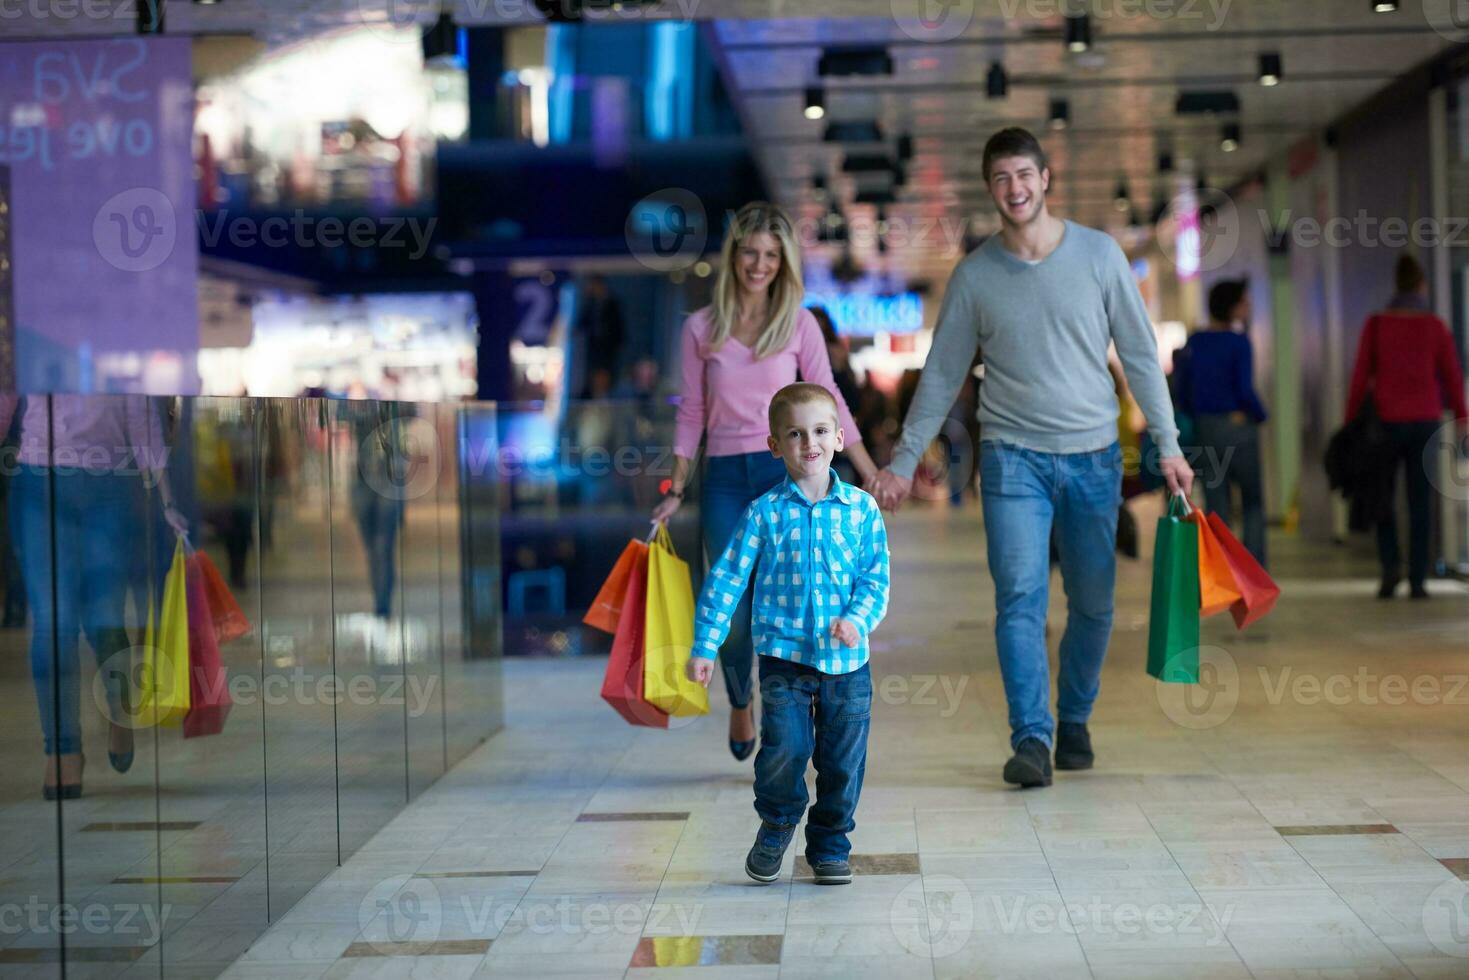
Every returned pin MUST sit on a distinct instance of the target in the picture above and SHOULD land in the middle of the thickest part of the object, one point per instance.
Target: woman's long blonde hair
(786, 292)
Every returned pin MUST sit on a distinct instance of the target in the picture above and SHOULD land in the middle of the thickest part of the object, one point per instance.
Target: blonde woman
(753, 340)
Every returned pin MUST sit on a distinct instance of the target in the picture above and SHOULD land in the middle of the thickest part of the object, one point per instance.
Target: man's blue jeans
(807, 716)
(1024, 492)
(731, 483)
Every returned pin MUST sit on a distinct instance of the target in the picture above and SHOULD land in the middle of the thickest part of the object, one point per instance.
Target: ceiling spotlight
(1270, 71)
(905, 147)
(1384, 6)
(818, 187)
(815, 103)
(1229, 138)
(1122, 201)
(997, 82)
(1060, 116)
(1165, 162)
(1078, 33)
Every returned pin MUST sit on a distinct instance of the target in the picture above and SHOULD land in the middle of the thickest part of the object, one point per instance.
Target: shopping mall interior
(348, 348)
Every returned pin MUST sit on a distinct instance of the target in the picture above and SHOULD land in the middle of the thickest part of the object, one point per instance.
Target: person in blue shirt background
(818, 552)
(1216, 386)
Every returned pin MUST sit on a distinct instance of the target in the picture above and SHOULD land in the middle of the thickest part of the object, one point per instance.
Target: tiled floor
(1304, 812)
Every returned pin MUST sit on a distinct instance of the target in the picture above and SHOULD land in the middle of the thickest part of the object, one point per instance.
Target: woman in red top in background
(1406, 359)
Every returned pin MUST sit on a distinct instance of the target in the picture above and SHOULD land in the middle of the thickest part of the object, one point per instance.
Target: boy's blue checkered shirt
(812, 564)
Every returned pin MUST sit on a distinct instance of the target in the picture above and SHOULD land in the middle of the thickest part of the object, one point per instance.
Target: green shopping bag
(1173, 627)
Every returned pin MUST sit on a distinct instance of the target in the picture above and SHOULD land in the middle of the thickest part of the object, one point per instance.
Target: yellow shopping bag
(670, 633)
(163, 689)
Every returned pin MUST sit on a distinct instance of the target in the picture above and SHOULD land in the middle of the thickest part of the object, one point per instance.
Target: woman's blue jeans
(98, 530)
(731, 483)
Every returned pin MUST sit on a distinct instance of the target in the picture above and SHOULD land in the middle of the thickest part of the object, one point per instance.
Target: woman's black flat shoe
(122, 762)
(741, 750)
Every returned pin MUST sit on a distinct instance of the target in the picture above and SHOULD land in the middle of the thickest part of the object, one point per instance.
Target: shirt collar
(841, 492)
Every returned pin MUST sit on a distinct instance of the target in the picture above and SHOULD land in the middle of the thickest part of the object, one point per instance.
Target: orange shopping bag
(1217, 588)
(1258, 590)
(228, 618)
(606, 609)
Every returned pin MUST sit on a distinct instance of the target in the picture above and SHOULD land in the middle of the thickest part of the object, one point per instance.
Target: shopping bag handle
(660, 536)
(1179, 495)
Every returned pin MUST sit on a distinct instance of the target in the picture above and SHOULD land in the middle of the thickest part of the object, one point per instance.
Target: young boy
(818, 552)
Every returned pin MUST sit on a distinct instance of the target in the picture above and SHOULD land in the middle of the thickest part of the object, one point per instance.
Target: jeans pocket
(852, 695)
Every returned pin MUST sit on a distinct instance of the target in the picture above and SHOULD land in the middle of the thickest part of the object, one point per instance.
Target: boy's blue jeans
(1023, 492)
(807, 716)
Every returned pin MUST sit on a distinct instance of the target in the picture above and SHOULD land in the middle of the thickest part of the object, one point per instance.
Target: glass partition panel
(29, 845)
(474, 702)
(419, 472)
(294, 618)
(452, 591)
(111, 551)
(366, 524)
(211, 771)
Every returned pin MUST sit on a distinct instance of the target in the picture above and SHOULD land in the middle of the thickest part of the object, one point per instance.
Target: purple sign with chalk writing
(96, 135)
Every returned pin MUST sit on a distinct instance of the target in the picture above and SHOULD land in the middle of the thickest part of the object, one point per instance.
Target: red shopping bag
(1257, 589)
(622, 686)
(229, 619)
(209, 696)
(607, 607)
(1217, 588)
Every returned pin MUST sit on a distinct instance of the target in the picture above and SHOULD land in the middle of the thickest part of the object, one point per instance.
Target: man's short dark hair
(1408, 275)
(1012, 142)
(1224, 297)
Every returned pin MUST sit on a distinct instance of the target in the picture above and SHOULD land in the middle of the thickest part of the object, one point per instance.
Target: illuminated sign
(866, 315)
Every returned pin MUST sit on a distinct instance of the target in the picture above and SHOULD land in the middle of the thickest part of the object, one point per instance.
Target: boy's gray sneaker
(763, 861)
(832, 873)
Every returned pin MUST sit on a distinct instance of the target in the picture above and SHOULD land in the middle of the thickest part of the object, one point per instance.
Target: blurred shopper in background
(1214, 383)
(1407, 365)
(76, 515)
(753, 340)
(844, 377)
(599, 322)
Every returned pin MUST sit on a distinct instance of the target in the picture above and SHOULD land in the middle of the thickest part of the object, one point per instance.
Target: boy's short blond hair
(800, 393)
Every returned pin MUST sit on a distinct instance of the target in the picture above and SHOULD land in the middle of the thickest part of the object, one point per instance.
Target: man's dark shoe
(763, 861)
(1388, 587)
(832, 873)
(1073, 746)
(1419, 591)
(1030, 766)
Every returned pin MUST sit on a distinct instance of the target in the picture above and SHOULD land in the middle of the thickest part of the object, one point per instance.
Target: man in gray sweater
(1044, 300)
